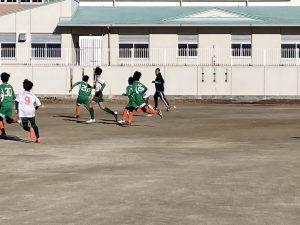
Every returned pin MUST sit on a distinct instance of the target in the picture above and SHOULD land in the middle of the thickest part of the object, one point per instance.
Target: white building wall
(8, 23)
(179, 81)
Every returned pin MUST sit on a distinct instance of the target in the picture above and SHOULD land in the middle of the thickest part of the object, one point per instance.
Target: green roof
(184, 16)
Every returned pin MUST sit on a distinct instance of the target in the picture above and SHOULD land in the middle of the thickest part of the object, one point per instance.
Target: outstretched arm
(74, 85)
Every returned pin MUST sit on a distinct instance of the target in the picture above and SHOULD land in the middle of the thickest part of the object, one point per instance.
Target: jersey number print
(27, 100)
(8, 92)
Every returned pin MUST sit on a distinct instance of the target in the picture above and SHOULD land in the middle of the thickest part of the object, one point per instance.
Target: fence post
(132, 55)
(297, 57)
(165, 56)
(231, 52)
(264, 55)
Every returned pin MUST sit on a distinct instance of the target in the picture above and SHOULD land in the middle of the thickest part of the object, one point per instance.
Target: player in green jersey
(7, 97)
(84, 93)
(128, 110)
(139, 90)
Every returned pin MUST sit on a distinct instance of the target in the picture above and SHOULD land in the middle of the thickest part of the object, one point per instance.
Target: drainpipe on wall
(108, 44)
(247, 3)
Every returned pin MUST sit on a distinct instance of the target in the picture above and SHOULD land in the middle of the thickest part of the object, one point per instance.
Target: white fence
(150, 57)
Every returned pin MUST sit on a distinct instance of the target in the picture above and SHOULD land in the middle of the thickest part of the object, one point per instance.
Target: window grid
(139, 50)
(290, 50)
(46, 50)
(241, 49)
(8, 50)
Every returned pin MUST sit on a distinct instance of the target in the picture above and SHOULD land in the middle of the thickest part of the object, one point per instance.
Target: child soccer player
(84, 93)
(128, 111)
(139, 91)
(26, 105)
(159, 90)
(98, 98)
(7, 97)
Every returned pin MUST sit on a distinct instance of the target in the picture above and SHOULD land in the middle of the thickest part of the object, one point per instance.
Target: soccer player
(84, 93)
(128, 110)
(98, 98)
(139, 91)
(7, 97)
(159, 90)
(26, 105)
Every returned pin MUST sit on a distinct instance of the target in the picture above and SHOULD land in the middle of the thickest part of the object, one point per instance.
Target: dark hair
(5, 77)
(85, 78)
(27, 85)
(98, 71)
(130, 80)
(158, 69)
(137, 75)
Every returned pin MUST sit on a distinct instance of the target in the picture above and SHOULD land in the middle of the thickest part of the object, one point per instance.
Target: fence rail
(150, 57)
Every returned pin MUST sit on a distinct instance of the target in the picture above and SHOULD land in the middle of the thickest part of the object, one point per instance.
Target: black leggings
(25, 121)
(162, 97)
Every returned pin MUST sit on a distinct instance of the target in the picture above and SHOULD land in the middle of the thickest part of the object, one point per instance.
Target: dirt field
(200, 164)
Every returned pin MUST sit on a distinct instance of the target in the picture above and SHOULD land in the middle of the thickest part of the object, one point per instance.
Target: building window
(31, 1)
(290, 51)
(187, 45)
(134, 46)
(290, 46)
(8, 45)
(10, 1)
(46, 45)
(241, 45)
(8, 50)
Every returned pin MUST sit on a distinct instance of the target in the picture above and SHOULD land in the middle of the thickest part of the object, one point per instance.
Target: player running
(98, 98)
(159, 90)
(26, 105)
(139, 91)
(128, 110)
(84, 93)
(7, 97)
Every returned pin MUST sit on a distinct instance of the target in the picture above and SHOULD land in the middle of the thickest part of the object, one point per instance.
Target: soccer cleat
(121, 121)
(91, 121)
(149, 115)
(168, 108)
(77, 116)
(116, 116)
(160, 113)
(38, 141)
(31, 134)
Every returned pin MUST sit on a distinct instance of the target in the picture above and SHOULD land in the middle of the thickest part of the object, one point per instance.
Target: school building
(211, 49)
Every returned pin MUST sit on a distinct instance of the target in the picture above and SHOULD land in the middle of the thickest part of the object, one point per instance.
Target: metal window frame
(133, 43)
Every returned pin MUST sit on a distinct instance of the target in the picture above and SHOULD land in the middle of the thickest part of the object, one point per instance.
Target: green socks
(108, 111)
(92, 113)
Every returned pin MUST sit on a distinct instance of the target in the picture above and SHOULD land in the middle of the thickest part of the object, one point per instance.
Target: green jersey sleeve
(77, 83)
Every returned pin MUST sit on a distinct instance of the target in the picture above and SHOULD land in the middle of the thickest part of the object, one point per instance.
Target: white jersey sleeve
(99, 83)
(37, 101)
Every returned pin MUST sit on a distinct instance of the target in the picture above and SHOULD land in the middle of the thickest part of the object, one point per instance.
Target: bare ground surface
(200, 164)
